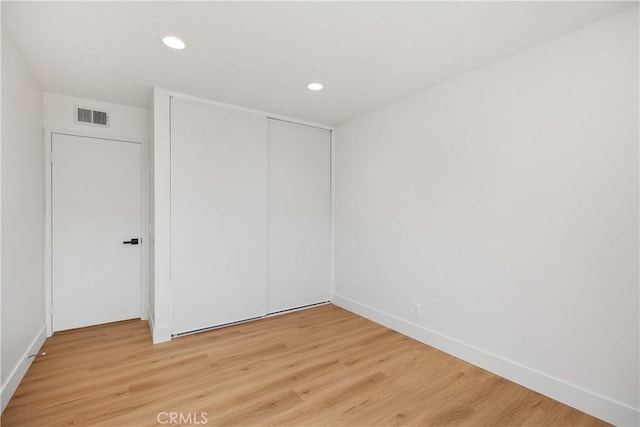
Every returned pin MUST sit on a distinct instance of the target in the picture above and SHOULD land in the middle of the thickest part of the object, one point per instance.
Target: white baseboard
(159, 334)
(587, 401)
(150, 321)
(13, 380)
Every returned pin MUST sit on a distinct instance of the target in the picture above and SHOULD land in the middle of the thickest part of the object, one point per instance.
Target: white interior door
(218, 215)
(96, 206)
(299, 215)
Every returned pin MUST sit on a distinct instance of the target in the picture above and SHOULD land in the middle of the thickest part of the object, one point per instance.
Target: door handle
(131, 242)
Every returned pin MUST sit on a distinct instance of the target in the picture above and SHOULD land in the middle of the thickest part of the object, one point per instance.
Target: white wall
(23, 330)
(505, 203)
(124, 122)
(161, 152)
(151, 245)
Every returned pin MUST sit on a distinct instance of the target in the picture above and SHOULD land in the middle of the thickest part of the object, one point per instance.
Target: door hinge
(51, 157)
(51, 310)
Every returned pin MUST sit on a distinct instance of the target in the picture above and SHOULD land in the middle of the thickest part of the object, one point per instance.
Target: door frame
(48, 219)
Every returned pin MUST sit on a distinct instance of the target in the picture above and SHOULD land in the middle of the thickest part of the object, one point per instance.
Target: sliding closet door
(299, 215)
(218, 215)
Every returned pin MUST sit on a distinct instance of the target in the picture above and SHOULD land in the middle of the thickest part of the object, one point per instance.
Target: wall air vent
(84, 115)
(90, 116)
(99, 118)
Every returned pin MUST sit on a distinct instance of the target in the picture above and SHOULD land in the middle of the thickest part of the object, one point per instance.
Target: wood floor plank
(318, 367)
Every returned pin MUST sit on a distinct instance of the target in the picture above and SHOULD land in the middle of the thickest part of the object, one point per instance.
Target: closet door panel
(219, 215)
(299, 215)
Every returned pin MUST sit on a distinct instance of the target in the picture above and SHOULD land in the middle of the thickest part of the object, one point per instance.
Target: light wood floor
(319, 367)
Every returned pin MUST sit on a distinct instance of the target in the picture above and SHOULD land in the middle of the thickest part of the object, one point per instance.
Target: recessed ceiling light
(315, 86)
(173, 42)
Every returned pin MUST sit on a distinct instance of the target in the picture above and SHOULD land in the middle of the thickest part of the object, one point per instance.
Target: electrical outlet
(415, 310)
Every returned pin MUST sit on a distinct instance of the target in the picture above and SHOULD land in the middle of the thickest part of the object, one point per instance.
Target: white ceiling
(261, 55)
